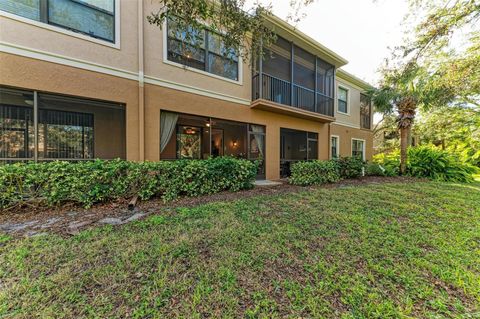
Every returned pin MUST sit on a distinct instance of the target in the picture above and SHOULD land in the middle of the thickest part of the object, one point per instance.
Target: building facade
(93, 79)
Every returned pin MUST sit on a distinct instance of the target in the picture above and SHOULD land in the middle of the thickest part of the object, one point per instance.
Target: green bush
(374, 169)
(350, 167)
(389, 161)
(87, 183)
(428, 162)
(314, 173)
(437, 164)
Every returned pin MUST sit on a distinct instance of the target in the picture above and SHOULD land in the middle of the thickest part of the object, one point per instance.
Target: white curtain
(259, 137)
(168, 121)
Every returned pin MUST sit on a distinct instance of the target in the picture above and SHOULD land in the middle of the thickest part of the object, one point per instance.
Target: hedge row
(86, 183)
(321, 172)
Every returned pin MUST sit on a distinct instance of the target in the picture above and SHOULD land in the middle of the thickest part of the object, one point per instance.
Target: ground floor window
(184, 136)
(358, 148)
(40, 126)
(334, 147)
(296, 146)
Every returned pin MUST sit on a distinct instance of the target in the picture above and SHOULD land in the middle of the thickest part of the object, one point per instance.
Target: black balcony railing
(280, 91)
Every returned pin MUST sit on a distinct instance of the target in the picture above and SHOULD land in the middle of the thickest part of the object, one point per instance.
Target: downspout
(141, 89)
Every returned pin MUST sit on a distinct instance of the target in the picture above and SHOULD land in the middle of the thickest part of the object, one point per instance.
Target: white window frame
(363, 148)
(186, 67)
(70, 33)
(348, 100)
(338, 146)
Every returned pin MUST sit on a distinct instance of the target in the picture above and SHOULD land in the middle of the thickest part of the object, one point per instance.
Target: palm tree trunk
(403, 150)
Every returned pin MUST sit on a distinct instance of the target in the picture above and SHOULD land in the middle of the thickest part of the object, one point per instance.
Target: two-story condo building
(84, 79)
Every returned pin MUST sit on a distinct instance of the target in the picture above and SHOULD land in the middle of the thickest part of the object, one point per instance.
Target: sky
(361, 31)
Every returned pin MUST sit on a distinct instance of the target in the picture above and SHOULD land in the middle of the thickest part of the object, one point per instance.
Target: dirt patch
(70, 219)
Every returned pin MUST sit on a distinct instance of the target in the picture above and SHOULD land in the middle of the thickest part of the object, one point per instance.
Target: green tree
(456, 129)
(427, 72)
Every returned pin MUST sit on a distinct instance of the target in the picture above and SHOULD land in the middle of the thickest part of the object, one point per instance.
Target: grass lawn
(376, 251)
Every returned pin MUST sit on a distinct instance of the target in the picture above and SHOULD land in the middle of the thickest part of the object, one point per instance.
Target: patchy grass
(377, 251)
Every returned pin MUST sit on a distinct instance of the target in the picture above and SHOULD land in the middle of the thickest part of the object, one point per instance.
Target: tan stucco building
(116, 86)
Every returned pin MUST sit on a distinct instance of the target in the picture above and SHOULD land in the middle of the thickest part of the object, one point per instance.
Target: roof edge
(344, 75)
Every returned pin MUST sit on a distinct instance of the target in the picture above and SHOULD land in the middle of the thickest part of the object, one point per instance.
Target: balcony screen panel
(25, 8)
(277, 60)
(304, 69)
(83, 18)
(365, 111)
(325, 78)
(312, 149)
(16, 124)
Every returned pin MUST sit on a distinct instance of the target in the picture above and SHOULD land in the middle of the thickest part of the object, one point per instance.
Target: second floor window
(95, 18)
(201, 49)
(342, 100)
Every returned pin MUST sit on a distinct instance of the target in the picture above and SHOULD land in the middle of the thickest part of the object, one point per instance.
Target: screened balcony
(291, 76)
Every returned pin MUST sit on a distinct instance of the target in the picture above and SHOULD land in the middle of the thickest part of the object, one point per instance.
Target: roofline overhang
(344, 75)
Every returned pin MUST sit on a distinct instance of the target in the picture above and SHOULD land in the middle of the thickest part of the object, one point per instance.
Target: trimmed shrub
(87, 183)
(350, 167)
(314, 173)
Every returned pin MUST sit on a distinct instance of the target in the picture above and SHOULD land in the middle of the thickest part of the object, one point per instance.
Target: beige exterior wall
(49, 77)
(352, 118)
(157, 66)
(158, 98)
(346, 134)
(55, 40)
(91, 69)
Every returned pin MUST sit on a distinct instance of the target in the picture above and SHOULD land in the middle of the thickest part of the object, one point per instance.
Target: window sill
(343, 113)
(188, 68)
(67, 32)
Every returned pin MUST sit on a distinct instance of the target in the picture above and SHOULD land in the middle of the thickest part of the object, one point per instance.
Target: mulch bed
(61, 220)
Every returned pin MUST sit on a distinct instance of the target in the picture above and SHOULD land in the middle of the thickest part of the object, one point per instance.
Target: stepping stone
(110, 221)
(266, 182)
(134, 217)
(78, 224)
(50, 222)
(11, 228)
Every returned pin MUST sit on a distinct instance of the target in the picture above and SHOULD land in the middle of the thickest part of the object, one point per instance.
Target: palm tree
(399, 93)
